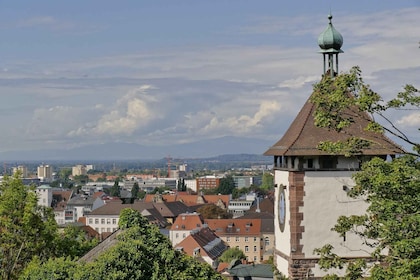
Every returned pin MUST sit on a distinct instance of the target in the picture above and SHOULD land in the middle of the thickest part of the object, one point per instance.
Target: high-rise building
(22, 169)
(45, 172)
(78, 170)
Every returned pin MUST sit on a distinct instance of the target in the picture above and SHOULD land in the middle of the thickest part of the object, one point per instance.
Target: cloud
(133, 111)
(411, 120)
(299, 82)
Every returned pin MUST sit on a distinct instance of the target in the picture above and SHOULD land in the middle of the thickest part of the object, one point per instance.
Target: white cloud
(299, 82)
(411, 120)
(133, 111)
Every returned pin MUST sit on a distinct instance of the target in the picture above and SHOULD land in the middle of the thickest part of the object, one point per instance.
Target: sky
(76, 73)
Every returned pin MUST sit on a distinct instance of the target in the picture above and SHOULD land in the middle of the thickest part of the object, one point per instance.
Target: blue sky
(158, 72)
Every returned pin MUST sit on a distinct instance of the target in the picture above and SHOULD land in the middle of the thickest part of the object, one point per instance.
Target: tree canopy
(232, 254)
(141, 252)
(227, 185)
(391, 224)
(212, 211)
(29, 231)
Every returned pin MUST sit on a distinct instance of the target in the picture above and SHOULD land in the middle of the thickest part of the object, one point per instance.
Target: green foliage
(267, 181)
(115, 189)
(26, 229)
(181, 185)
(74, 242)
(142, 252)
(81, 179)
(135, 191)
(227, 185)
(232, 254)
(338, 100)
(57, 269)
(392, 221)
(212, 211)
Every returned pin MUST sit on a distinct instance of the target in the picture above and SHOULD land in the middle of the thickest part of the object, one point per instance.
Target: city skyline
(163, 73)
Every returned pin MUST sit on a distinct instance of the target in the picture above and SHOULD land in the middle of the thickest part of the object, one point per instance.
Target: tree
(338, 99)
(212, 211)
(27, 230)
(115, 189)
(227, 185)
(267, 181)
(181, 185)
(142, 252)
(74, 242)
(232, 254)
(81, 179)
(135, 191)
(392, 220)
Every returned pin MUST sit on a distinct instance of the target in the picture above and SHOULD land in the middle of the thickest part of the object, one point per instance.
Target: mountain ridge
(130, 151)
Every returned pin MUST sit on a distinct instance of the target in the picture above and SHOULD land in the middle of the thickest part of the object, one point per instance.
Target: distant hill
(211, 148)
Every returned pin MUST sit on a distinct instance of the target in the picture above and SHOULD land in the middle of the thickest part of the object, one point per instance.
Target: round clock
(282, 210)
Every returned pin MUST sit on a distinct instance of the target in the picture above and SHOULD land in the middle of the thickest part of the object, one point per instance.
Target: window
(246, 249)
(255, 258)
(176, 235)
(90, 221)
(246, 239)
(108, 221)
(255, 248)
(103, 221)
(114, 221)
(267, 241)
(96, 221)
(255, 239)
(183, 235)
(227, 239)
(237, 239)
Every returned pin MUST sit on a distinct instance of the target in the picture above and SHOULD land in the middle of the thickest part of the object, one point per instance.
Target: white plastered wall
(324, 201)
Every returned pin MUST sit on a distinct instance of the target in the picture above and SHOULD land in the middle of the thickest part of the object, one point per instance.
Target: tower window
(310, 163)
(328, 162)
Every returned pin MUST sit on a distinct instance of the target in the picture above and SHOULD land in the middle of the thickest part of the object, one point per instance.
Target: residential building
(204, 245)
(244, 234)
(59, 205)
(311, 184)
(183, 226)
(83, 204)
(221, 201)
(106, 217)
(45, 195)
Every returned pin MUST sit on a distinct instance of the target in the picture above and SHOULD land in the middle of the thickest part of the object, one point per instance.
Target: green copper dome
(330, 41)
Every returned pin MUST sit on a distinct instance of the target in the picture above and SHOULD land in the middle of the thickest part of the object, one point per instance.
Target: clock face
(282, 210)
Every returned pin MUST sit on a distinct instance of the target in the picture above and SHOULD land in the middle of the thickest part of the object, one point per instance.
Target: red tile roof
(191, 199)
(229, 227)
(188, 221)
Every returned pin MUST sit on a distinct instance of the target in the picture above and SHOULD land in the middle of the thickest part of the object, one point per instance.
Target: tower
(311, 184)
(330, 42)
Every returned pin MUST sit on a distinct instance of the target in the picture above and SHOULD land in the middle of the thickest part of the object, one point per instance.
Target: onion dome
(330, 41)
